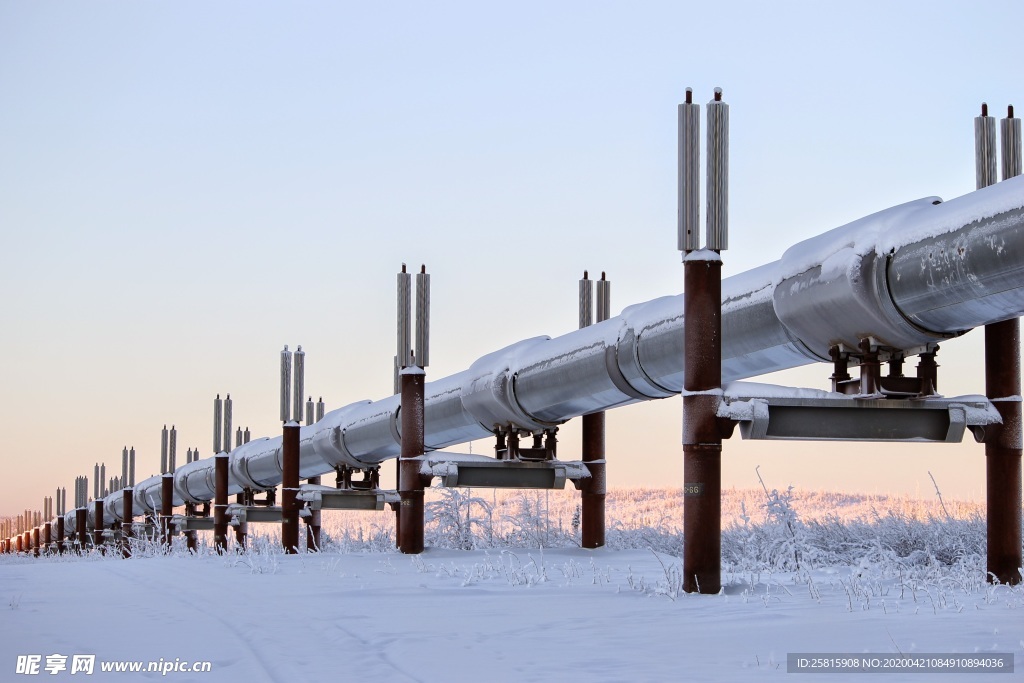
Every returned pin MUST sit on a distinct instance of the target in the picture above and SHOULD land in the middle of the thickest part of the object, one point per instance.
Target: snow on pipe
(688, 176)
(907, 276)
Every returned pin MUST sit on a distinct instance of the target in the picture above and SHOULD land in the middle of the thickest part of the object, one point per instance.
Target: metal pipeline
(907, 276)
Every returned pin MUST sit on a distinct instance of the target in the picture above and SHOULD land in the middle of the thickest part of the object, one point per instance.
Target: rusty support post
(97, 528)
(313, 522)
(594, 487)
(35, 542)
(126, 523)
(47, 537)
(1003, 451)
(166, 507)
(290, 488)
(702, 439)
(19, 543)
(60, 534)
(220, 503)
(410, 488)
(81, 519)
(190, 534)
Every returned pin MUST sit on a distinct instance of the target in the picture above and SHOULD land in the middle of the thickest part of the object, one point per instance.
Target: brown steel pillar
(60, 534)
(81, 519)
(190, 534)
(1003, 451)
(702, 439)
(126, 523)
(290, 505)
(166, 506)
(313, 523)
(35, 541)
(47, 536)
(20, 542)
(97, 527)
(220, 503)
(593, 487)
(410, 539)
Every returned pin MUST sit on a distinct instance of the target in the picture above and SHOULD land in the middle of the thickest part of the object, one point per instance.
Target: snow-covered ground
(523, 615)
(903, 581)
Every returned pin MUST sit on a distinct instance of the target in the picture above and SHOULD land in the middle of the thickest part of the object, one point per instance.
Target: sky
(187, 187)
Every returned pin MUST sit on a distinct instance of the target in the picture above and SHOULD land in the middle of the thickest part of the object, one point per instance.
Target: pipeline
(906, 277)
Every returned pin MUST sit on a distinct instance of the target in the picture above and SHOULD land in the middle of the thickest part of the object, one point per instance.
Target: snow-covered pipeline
(913, 274)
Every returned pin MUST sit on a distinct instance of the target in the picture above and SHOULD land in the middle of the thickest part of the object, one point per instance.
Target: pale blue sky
(185, 187)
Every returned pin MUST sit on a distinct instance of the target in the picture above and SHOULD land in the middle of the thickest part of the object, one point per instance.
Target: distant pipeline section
(906, 277)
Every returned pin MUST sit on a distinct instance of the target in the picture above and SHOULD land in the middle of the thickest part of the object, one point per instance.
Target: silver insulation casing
(907, 276)
(717, 238)
(688, 191)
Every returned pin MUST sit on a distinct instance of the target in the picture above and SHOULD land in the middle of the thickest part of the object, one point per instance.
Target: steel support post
(702, 438)
(410, 487)
(35, 541)
(594, 487)
(81, 519)
(166, 507)
(97, 527)
(191, 537)
(47, 536)
(313, 522)
(126, 523)
(60, 534)
(1003, 451)
(290, 488)
(19, 542)
(220, 503)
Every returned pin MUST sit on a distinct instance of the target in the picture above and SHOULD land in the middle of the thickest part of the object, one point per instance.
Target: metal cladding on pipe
(717, 238)
(1011, 144)
(423, 318)
(286, 387)
(689, 175)
(985, 148)
(586, 300)
(299, 383)
(538, 383)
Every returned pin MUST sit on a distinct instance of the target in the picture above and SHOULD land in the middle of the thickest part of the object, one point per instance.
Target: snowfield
(502, 614)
